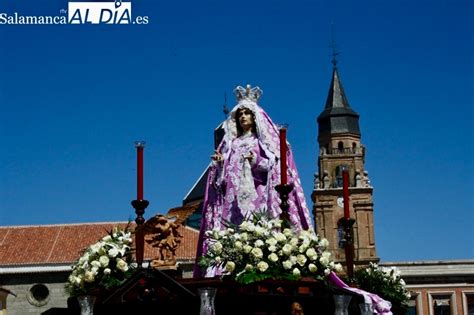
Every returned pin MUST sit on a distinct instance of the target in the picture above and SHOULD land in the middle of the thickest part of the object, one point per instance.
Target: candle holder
(349, 246)
(207, 296)
(341, 304)
(284, 190)
(140, 206)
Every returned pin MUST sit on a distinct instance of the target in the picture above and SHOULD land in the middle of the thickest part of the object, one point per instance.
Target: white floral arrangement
(259, 248)
(103, 265)
(385, 282)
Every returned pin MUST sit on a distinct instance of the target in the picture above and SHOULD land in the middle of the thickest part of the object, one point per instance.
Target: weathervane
(333, 46)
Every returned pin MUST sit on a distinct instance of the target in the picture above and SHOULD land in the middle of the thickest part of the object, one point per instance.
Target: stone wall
(40, 293)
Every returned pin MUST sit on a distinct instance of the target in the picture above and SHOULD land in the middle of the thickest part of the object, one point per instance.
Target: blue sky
(73, 99)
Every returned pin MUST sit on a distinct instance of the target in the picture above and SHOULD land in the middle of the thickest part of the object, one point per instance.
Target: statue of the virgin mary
(245, 170)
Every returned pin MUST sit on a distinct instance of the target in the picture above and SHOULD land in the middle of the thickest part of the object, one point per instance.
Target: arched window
(338, 174)
(341, 233)
(354, 147)
(340, 147)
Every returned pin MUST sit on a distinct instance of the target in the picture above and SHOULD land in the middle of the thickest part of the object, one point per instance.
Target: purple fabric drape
(378, 305)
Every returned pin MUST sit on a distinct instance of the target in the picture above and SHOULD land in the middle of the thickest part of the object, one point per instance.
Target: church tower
(340, 148)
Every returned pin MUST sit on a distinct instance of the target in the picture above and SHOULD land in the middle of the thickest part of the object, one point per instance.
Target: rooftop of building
(62, 244)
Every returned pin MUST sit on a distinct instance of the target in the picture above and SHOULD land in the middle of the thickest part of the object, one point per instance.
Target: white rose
(304, 235)
(230, 230)
(96, 247)
(259, 231)
(301, 260)
(287, 248)
(230, 266)
(272, 248)
(338, 267)
(107, 271)
(113, 252)
(302, 248)
(327, 271)
(244, 225)
(324, 261)
(325, 258)
(294, 242)
(293, 259)
(218, 259)
(217, 247)
(287, 264)
(311, 253)
(287, 232)
(89, 276)
(323, 242)
(296, 272)
(95, 263)
(259, 243)
(248, 267)
(215, 233)
(238, 244)
(247, 249)
(78, 280)
(104, 261)
(122, 265)
(250, 227)
(280, 237)
(262, 266)
(277, 223)
(244, 237)
(271, 241)
(257, 252)
(312, 267)
(273, 257)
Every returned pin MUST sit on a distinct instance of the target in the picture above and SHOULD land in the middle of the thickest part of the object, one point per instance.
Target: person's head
(245, 120)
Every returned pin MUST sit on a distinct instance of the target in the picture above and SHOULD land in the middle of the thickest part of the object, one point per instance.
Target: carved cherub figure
(165, 235)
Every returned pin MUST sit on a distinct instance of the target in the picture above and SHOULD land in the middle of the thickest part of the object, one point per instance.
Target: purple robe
(238, 187)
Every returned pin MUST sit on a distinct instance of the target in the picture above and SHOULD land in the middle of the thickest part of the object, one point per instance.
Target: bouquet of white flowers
(103, 265)
(385, 282)
(260, 249)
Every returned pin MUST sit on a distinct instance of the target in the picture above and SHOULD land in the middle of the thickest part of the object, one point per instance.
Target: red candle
(345, 193)
(140, 145)
(283, 166)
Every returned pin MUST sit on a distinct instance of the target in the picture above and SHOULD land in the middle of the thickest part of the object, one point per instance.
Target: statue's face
(245, 118)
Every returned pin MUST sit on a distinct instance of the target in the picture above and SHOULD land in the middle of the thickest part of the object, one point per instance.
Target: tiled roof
(63, 244)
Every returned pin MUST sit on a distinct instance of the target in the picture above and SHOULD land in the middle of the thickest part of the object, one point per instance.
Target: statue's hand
(217, 157)
(250, 157)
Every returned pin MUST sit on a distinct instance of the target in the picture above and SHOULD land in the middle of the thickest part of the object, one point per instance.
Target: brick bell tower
(340, 148)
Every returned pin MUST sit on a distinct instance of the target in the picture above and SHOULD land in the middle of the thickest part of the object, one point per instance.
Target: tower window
(338, 176)
(354, 147)
(341, 233)
(340, 147)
